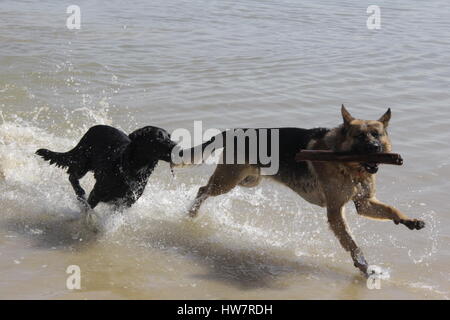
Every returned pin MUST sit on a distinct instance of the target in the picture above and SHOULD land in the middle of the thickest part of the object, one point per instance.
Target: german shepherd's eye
(361, 135)
(375, 134)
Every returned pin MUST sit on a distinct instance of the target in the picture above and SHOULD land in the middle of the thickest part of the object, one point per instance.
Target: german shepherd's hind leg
(223, 180)
(336, 220)
(375, 209)
(252, 179)
(201, 196)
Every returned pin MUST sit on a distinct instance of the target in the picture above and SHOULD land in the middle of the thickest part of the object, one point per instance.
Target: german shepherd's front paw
(413, 224)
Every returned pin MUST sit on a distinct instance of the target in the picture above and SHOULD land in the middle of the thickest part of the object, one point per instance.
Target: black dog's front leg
(79, 191)
(93, 199)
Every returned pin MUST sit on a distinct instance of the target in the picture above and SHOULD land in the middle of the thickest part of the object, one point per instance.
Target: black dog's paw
(84, 205)
(414, 224)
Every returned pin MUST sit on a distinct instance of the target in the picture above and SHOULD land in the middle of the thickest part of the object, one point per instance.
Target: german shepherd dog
(122, 164)
(326, 184)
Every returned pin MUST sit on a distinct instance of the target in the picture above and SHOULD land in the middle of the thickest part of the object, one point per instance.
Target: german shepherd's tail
(59, 159)
(194, 154)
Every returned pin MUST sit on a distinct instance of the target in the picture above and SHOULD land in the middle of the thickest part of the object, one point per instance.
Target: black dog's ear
(140, 133)
(385, 118)
(346, 116)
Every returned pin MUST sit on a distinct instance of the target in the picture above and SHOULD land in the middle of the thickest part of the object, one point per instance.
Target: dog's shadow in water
(243, 267)
(51, 231)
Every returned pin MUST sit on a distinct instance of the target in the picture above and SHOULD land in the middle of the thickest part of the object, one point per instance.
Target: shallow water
(228, 64)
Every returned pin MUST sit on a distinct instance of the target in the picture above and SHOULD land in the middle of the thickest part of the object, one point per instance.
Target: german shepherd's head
(364, 136)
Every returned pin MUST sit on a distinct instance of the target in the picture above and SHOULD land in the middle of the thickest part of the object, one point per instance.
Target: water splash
(268, 220)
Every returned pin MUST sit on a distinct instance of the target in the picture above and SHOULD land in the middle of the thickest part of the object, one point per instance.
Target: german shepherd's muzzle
(326, 184)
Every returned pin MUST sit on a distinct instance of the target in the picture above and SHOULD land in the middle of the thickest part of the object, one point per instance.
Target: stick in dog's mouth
(369, 161)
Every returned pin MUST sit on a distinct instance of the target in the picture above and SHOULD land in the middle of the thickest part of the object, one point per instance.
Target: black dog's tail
(59, 159)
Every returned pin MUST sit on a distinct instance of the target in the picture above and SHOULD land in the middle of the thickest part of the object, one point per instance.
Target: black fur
(121, 164)
(295, 175)
(291, 140)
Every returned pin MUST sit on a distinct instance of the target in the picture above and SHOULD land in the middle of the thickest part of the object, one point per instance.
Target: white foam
(378, 272)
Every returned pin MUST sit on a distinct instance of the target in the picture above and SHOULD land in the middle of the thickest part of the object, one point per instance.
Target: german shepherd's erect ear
(346, 116)
(385, 118)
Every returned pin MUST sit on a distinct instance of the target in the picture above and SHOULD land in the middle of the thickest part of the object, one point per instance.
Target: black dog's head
(365, 136)
(152, 143)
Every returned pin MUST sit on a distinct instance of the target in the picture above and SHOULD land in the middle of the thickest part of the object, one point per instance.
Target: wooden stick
(327, 155)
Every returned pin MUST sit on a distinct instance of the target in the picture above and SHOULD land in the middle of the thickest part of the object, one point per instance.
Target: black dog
(121, 164)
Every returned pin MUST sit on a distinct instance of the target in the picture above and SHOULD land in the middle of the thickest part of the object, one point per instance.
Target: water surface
(230, 64)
